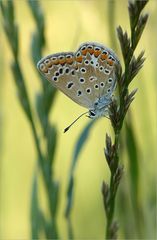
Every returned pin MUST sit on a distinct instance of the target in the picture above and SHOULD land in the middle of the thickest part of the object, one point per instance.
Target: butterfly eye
(92, 113)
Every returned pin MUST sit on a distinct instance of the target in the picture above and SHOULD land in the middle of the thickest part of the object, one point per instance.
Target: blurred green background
(68, 24)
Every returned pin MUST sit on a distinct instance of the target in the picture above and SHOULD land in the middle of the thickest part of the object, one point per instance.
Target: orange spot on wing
(103, 56)
(49, 64)
(45, 69)
(69, 60)
(90, 50)
(56, 61)
(97, 53)
(62, 61)
(110, 62)
(79, 59)
(84, 52)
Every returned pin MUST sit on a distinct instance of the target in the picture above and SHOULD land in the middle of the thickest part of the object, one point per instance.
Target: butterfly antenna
(67, 128)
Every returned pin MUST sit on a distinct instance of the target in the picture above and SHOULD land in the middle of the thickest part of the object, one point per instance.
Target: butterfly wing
(61, 70)
(98, 70)
(84, 76)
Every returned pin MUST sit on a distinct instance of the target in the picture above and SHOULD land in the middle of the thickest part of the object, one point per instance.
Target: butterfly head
(100, 109)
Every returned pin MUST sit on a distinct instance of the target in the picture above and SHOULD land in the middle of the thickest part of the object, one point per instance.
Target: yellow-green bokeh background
(68, 24)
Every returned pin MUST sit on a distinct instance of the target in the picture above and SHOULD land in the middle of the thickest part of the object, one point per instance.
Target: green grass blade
(78, 147)
(134, 170)
(35, 215)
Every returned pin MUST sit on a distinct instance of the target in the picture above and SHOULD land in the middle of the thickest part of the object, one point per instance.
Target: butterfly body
(87, 76)
(100, 108)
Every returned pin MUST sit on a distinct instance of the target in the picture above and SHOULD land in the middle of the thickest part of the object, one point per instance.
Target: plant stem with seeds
(118, 109)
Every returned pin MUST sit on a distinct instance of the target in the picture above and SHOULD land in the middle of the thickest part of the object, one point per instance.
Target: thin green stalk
(111, 8)
(80, 143)
(119, 108)
(44, 162)
(44, 101)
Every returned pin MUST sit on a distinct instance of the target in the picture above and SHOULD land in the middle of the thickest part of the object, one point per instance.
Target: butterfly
(87, 76)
